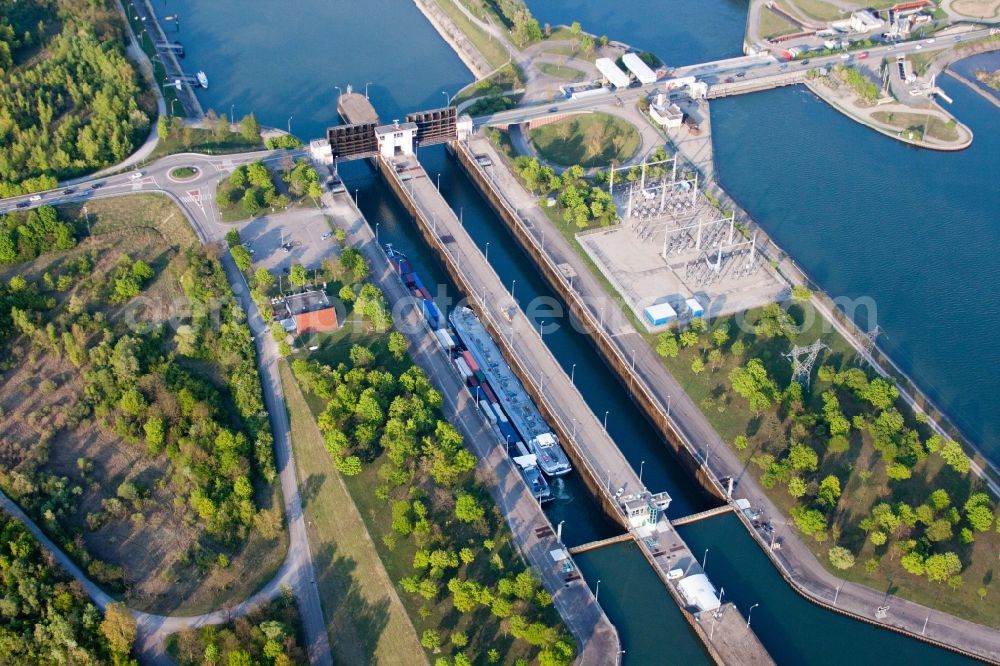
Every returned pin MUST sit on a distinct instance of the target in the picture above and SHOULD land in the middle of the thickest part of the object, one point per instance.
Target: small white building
(694, 308)
(665, 113)
(699, 592)
(660, 314)
(320, 151)
(864, 20)
(641, 70)
(396, 139)
(611, 72)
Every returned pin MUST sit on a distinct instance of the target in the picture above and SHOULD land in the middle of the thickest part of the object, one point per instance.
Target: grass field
(977, 8)
(817, 9)
(593, 139)
(162, 556)
(492, 50)
(773, 24)
(365, 619)
(196, 140)
(562, 72)
(920, 124)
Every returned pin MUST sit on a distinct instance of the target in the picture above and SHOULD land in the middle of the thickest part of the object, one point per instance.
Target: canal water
(280, 63)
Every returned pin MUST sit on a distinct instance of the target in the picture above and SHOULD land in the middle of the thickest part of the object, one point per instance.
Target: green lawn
(593, 139)
(917, 122)
(562, 72)
(773, 24)
(817, 9)
(492, 50)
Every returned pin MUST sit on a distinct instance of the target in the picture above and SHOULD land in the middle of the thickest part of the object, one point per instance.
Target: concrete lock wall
(644, 400)
(592, 482)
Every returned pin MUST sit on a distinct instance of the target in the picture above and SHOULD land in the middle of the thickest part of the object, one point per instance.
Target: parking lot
(301, 230)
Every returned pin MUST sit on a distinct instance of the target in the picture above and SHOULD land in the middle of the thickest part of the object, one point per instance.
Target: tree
(752, 383)
(941, 566)
(810, 521)
(666, 345)
(801, 293)
(264, 278)
(841, 558)
(689, 338)
(913, 562)
(250, 129)
(740, 442)
(796, 487)
(955, 457)
(939, 530)
(468, 510)
(298, 275)
(978, 513)
(697, 365)
(397, 345)
(880, 393)
(803, 457)
(829, 492)
(431, 639)
(119, 628)
(241, 256)
(233, 235)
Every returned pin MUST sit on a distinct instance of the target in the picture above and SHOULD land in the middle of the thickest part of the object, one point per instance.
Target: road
(750, 68)
(797, 562)
(195, 198)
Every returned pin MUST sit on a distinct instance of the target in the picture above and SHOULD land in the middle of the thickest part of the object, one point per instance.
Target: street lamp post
(642, 463)
(376, 232)
(572, 375)
(232, 112)
(439, 182)
(173, 112)
(367, 83)
(512, 283)
(704, 560)
(447, 98)
(487, 252)
(289, 124)
(668, 406)
(597, 592)
(749, 613)
(606, 420)
(339, 91)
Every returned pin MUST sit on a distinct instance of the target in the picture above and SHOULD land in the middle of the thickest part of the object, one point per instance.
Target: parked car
(327, 235)
(97, 186)
(69, 190)
(22, 204)
(863, 55)
(845, 56)
(35, 197)
(553, 109)
(740, 75)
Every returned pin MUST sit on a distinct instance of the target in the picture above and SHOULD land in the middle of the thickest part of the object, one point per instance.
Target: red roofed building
(312, 313)
(317, 321)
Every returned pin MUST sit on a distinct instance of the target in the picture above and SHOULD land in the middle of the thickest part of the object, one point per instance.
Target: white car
(35, 197)
(845, 56)
(918, 47)
(327, 235)
(931, 40)
(136, 176)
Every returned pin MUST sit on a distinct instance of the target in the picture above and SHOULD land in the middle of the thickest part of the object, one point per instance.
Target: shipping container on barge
(510, 393)
(475, 380)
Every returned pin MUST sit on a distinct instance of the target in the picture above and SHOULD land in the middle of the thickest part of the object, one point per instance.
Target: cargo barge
(484, 359)
(476, 382)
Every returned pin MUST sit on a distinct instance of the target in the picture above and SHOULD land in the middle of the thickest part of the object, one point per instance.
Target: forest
(70, 100)
(47, 617)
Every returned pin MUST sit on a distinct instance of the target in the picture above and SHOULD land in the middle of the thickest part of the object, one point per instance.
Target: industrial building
(665, 113)
(699, 592)
(612, 73)
(641, 70)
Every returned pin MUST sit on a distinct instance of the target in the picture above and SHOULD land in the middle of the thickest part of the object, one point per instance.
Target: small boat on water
(202, 79)
(539, 487)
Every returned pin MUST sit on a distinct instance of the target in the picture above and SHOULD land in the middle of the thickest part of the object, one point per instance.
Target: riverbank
(470, 55)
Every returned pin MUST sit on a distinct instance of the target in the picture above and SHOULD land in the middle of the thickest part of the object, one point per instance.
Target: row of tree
(582, 204)
(26, 235)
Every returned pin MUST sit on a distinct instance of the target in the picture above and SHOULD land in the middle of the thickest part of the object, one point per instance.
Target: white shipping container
(463, 368)
(444, 339)
(500, 415)
(488, 411)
